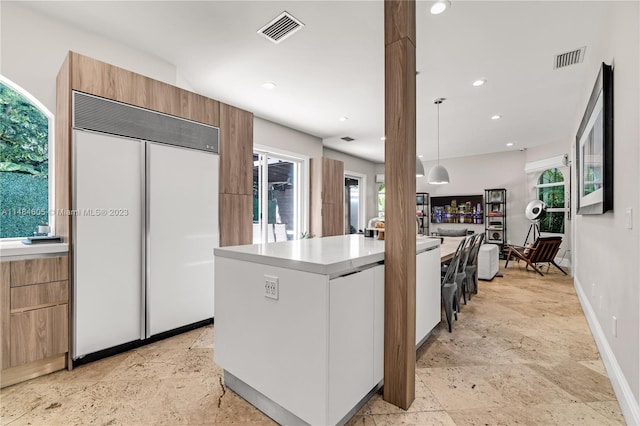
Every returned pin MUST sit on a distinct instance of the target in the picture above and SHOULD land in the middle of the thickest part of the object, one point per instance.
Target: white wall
(33, 47)
(365, 167)
(606, 253)
(472, 175)
(281, 138)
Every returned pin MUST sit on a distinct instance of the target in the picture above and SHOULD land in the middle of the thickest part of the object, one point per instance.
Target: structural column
(400, 183)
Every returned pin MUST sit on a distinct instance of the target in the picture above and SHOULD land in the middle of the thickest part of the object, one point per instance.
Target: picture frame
(594, 148)
(465, 209)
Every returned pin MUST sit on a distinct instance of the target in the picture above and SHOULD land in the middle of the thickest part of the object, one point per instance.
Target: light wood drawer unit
(41, 270)
(34, 317)
(38, 296)
(38, 334)
(5, 322)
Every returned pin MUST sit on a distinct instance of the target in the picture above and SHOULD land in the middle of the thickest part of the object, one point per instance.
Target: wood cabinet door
(332, 219)
(38, 334)
(333, 181)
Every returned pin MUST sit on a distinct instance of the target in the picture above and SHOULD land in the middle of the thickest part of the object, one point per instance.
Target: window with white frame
(277, 197)
(26, 135)
(551, 190)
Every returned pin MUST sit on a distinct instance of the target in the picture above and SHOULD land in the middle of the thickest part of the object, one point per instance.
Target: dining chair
(461, 273)
(472, 266)
(449, 287)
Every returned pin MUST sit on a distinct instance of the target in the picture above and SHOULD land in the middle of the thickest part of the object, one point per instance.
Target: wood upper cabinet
(327, 197)
(236, 151)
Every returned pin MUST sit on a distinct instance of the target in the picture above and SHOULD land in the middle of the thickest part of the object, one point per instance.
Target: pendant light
(419, 168)
(438, 175)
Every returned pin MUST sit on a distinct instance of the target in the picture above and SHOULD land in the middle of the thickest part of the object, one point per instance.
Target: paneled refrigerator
(144, 228)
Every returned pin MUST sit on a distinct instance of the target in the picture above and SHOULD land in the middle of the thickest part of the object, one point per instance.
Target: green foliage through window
(24, 165)
(553, 197)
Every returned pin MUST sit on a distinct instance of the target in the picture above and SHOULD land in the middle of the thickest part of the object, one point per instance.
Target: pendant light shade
(438, 175)
(419, 168)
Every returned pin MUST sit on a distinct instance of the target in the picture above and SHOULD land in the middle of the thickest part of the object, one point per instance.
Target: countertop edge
(11, 250)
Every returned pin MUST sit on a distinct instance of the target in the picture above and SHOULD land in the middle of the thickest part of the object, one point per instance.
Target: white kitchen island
(299, 325)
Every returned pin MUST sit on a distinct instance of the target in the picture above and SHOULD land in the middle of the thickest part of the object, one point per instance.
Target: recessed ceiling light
(510, 144)
(496, 117)
(343, 118)
(479, 82)
(384, 138)
(440, 6)
(420, 156)
(269, 85)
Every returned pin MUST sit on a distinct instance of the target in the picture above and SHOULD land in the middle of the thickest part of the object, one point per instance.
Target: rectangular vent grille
(106, 116)
(569, 58)
(281, 27)
(347, 139)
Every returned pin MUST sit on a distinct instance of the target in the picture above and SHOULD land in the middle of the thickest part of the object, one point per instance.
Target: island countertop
(326, 256)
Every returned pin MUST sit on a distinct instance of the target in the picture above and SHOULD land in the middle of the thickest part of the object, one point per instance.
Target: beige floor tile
(360, 420)
(584, 384)
(596, 365)
(609, 409)
(431, 418)
(424, 401)
(205, 339)
(232, 409)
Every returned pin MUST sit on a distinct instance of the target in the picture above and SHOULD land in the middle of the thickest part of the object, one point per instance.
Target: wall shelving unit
(423, 212)
(495, 217)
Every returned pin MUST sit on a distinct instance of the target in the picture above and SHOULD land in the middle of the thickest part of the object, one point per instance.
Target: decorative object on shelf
(457, 209)
(306, 235)
(495, 223)
(594, 148)
(438, 175)
(419, 168)
(43, 229)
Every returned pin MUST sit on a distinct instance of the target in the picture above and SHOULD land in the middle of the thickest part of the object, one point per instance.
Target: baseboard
(628, 403)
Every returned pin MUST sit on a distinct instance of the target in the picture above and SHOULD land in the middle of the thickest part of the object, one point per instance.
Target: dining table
(448, 247)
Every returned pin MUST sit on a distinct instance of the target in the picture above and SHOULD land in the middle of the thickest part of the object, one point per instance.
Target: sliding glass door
(276, 198)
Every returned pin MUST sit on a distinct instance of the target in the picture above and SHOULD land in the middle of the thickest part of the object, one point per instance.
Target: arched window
(26, 129)
(551, 191)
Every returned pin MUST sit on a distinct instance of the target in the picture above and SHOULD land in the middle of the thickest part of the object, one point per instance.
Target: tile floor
(520, 353)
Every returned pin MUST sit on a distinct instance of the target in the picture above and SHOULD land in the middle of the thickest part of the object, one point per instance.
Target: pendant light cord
(438, 127)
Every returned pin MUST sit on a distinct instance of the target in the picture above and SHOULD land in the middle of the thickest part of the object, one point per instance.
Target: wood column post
(400, 191)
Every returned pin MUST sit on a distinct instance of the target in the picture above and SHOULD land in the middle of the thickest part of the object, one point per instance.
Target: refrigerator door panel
(182, 225)
(108, 230)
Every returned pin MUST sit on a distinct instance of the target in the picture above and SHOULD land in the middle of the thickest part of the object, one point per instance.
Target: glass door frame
(301, 185)
(362, 188)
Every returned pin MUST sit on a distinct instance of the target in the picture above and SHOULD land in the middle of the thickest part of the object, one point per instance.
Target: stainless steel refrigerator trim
(144, 271)
(147, 239)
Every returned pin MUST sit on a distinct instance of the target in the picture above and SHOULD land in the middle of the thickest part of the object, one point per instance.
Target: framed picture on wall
(594, 148)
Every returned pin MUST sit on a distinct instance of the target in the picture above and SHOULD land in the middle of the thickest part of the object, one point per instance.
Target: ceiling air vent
(347, 139)
(281, 27)
(569, 58)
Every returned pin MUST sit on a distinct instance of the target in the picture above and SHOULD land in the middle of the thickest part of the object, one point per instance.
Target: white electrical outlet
(271, 287)
(614, 325)
(629, 217)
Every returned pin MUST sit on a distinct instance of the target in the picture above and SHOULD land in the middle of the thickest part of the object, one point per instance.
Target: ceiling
(334, 66)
